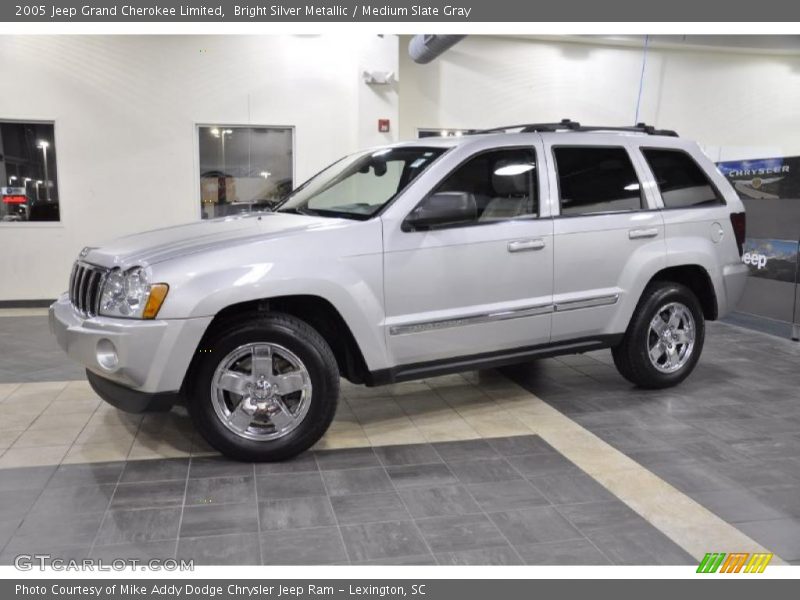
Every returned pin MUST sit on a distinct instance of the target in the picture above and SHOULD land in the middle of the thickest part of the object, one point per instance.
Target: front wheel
(263, 388)
(664, 339)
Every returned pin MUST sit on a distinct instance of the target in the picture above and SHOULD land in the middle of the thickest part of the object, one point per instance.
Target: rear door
(608, 233)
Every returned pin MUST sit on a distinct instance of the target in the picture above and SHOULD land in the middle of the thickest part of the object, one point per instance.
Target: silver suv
(408, 261)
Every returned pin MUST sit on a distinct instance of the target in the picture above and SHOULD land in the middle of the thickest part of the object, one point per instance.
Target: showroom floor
(574, 467)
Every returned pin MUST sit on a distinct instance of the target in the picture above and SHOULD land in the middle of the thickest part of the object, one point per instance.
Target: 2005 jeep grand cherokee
(412, 260)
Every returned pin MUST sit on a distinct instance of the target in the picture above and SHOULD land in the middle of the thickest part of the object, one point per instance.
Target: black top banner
(467, 11)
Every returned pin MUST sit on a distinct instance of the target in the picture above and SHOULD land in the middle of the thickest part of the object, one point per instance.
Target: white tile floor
(54, 422)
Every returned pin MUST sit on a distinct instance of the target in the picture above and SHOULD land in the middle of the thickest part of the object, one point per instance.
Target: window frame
(720, 197)
(637, 171)
(537, 185)
(225, 125)
(61, 217)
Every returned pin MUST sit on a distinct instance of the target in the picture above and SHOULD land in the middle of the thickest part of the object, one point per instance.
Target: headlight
(130, 294)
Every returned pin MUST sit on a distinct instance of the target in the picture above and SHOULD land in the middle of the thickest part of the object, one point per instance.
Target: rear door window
(593, 180)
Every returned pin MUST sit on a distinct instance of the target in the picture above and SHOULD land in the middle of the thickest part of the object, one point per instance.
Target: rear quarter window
(681, 181)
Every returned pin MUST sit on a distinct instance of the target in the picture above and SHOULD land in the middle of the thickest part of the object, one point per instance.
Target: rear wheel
(664, 339)
(264, 388)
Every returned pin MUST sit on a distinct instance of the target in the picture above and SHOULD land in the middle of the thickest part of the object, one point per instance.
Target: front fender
(344, 267)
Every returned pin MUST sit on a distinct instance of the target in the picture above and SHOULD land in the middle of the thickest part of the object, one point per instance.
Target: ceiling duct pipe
(425, 48)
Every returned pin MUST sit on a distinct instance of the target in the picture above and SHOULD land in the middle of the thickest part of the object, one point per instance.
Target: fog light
(107, 355)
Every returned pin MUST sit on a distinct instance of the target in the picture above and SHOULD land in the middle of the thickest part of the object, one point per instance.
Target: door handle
(637, 234)
(523, 245)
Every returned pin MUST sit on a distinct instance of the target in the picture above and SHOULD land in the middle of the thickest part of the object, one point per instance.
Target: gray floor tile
(781, 536)
(289, 513)
(736, 506)
(506, 495)
(218, 519)
(357, 481)
(640, 546)
(71, 553)
(124, 526)
(346, 458)
(86, 474)
(220, 490)
(302, 547)
(757, 473)
(694, 477)
(520, 444)
(421, 475)
(459, 533)
(218, 466)
(572, 552)
(304, 463)
(232, 549)
(407, 454)
(439, 501)
(149, 494)
(369, 541)
(66, 501)
(499, 555)
(785, 499)
(418, 560)
(17, 503)
(598, 516)
(155, 470)
(57, 532)
(289, 485)
(533, 465)
(483, 471)
(465, 450)
(25, 478)
(571, 488)
(368, 508)
(135, 551)
(534, 525)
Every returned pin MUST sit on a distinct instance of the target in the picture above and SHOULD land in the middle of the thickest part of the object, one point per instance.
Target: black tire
(290, 333)
(631, 356)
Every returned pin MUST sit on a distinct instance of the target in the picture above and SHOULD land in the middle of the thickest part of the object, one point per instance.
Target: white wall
(125, 110)
(736, 105)
(126, 107)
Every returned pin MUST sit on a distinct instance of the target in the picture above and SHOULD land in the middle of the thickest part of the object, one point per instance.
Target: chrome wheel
(671, 337)
(261, 391)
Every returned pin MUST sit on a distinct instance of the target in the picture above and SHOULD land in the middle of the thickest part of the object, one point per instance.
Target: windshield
(359, 185)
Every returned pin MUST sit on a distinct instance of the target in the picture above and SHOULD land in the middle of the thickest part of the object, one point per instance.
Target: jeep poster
(771, 259)
(764, 177)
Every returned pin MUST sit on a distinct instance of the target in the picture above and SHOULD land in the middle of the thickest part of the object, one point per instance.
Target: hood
(159, 245)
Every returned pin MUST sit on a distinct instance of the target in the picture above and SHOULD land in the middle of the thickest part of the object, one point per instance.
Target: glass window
(680, 180)
(28, 176)
(243, 169)
(596, 180)
(501, 184)
(357, 186)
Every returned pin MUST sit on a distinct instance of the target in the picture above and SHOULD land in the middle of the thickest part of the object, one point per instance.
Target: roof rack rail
(570, 125)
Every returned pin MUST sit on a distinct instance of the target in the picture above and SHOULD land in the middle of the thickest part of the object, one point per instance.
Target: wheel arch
(697, 279)
(317, 312)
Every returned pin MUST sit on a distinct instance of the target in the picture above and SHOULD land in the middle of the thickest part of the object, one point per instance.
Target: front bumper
(152, 357)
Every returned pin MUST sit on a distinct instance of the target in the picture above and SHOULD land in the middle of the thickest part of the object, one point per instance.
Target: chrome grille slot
(85, 285)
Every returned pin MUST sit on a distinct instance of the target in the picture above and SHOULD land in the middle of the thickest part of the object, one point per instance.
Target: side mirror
(442, 208)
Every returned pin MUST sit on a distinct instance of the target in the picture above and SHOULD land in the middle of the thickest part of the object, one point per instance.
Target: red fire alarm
(383, 125)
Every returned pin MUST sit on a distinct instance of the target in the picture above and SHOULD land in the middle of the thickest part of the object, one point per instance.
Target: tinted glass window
(358, 186)
(28, 174)
(243, 169)
(500, 184)
(680, 180)
(596, 180)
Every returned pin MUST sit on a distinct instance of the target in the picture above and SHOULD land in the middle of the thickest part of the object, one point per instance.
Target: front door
(483, 283)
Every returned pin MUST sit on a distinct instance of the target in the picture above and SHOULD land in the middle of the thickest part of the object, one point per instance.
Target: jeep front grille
(85, 285)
